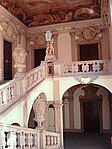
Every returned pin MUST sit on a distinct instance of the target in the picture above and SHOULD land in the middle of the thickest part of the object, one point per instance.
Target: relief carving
(19, 55)
(88, 33)
(9, 29)
(105, 13)
(37, 40)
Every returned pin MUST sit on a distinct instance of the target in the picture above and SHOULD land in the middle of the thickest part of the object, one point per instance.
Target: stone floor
(87, 140)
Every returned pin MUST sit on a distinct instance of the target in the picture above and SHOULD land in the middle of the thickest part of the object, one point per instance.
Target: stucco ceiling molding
(8, 28)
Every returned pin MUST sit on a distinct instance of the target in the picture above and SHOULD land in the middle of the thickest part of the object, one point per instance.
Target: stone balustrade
(95, 67)
(17, 88)
(35, 76)
(14, 137)
(9, 93)
(50, 140)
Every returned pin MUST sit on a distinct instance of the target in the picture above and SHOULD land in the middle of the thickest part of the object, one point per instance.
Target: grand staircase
(14, 137)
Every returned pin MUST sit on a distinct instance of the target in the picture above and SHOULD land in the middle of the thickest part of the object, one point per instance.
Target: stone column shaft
(59, 120)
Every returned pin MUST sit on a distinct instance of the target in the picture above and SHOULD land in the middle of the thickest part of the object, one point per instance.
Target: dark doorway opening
(39, 55)
(91, 116)
(7, 60)
(89, 52)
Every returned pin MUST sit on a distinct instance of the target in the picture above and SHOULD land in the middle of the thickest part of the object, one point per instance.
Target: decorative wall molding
(9, 29)
(37, 40)
(87, 33)
(105, 13)
(83, 79)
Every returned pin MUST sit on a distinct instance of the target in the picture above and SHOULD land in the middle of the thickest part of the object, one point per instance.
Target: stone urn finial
(49, 49)
(19, 55)
(39, 106)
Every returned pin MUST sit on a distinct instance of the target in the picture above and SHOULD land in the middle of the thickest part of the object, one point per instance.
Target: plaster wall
(64, 47)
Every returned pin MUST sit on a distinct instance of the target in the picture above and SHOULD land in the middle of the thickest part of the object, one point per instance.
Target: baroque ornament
(9, 29)
(85, 79)
(88, 33)
(37, 40)
(19, 55)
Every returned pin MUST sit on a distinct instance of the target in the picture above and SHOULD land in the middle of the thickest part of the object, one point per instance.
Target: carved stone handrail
(35, 76)
(18, 137)
(94, 67)
(17, 88)
(9, 93)
(12, 137)
(50, 140)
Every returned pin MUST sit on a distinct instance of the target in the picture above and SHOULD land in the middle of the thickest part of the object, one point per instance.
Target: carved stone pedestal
(39, 122)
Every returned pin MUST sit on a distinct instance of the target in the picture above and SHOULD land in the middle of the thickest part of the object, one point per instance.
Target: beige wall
(64, 47)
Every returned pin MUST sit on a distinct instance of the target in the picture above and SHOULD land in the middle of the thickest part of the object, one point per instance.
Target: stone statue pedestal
(39, 122)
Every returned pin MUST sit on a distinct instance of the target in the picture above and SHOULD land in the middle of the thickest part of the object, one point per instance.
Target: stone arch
(71, 101)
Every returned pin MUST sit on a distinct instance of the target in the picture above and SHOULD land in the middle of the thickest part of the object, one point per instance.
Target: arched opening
(87, 112)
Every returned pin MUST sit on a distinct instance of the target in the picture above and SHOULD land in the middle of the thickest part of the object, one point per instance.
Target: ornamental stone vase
(39, 107)
(19, 55)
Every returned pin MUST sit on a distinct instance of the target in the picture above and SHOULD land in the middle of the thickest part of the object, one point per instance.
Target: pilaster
(1, 55)
(73, 46)
(59, 119)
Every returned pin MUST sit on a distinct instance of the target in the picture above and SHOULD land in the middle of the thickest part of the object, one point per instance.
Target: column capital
(58, 104)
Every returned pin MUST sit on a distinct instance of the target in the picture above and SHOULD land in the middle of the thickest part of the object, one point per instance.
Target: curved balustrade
(97, 67)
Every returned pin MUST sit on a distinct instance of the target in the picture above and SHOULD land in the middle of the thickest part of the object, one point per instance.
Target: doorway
(7, 60)
(91, 116)
(89, 52)
(39, 55)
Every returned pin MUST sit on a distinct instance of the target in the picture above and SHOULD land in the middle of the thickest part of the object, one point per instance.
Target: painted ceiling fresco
(44, 12)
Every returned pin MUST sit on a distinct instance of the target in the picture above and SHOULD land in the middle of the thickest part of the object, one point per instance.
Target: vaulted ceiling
(44, 12)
